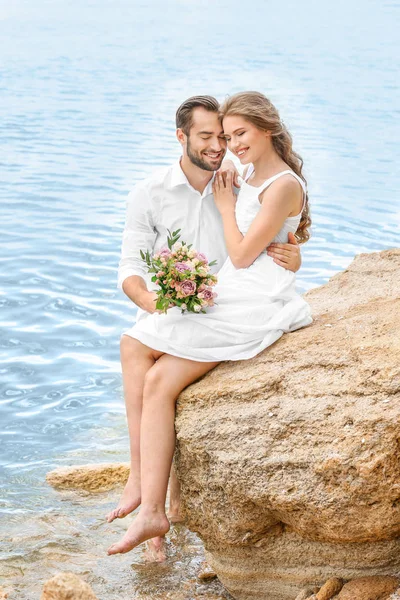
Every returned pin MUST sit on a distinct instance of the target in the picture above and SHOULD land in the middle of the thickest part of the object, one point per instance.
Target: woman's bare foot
(146, 526)
(155, 550)
(129, 501)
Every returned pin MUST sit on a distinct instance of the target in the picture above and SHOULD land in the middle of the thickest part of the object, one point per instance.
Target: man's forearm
(136, 289)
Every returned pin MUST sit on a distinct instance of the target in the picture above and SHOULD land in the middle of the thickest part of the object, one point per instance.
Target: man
(176, 197)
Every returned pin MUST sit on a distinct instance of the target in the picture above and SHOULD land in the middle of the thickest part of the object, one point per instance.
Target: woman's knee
(157, 384)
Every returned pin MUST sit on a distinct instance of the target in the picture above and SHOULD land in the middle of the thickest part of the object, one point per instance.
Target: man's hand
(229, 167)
(148, 301)
(286, 255)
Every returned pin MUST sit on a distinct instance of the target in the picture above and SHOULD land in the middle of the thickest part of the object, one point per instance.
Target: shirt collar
(178, 177)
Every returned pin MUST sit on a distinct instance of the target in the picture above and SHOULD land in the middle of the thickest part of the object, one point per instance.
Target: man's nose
(216, 145)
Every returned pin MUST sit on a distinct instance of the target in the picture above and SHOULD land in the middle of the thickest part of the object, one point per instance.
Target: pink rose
(202, 257)
(181, 267)
(165, 253)
(186, 288)
(207, 295)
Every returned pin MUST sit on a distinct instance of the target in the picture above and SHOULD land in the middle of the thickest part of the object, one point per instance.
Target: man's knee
(131, 348)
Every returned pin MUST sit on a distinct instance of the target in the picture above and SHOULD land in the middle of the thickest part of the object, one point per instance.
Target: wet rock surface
(90, 478)
(67, 586)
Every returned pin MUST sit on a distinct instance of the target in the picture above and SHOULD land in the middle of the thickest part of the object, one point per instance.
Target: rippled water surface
(88, 95)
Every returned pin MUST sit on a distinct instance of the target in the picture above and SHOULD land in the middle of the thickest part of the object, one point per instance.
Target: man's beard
(198, 161)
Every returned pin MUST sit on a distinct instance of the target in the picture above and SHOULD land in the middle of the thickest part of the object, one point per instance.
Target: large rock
(67, 586)
(289, 462)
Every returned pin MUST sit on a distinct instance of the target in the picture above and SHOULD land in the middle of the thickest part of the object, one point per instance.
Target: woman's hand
(224, 196)
(228, 166)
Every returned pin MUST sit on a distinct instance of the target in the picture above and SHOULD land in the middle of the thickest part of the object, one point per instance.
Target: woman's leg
(136, 360)
(163, 383)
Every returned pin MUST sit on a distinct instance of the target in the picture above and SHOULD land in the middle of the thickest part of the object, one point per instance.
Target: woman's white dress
(256, 305)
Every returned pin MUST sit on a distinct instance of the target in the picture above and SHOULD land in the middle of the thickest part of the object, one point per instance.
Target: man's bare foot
(145, 527)
(174, 514)
(155, 550)
(129, 501)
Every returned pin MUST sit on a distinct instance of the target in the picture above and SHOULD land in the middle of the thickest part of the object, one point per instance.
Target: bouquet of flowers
(183, 275)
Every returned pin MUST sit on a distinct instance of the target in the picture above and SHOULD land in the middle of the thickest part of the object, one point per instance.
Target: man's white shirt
(166, 200)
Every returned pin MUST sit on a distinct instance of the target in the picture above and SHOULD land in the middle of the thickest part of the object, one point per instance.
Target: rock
(90, 478)
(330, 588)
(369, 588)
(206, 573)
(289, 462)
(67, 586)
(304, 594)
(3, 593)
(395, 595)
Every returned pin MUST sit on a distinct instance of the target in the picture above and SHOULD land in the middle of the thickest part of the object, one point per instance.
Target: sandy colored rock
(289, 462)
(67, 586)
(206, 573)
(330, 588)
(395, 595)
(369, 588)
(304, 595)
(3, 594)
(90, 478)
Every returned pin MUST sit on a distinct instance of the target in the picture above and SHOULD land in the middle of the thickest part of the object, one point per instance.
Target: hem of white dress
(156, 344)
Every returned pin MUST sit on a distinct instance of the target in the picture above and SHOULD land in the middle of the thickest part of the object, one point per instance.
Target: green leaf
(211, 264)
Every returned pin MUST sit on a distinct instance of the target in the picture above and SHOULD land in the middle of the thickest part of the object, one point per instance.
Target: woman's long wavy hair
(258, 110)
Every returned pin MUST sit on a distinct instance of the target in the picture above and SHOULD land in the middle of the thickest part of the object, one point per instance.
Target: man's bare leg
(136, 360)
(163, 384)
(174, 514)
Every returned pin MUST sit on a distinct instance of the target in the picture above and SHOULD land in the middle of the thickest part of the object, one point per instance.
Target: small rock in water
(206, 573)
(89, 477)
(330, 589)
(67, 586)
(369, 588)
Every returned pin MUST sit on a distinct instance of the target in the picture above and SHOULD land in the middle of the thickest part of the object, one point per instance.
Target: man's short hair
(184, 114)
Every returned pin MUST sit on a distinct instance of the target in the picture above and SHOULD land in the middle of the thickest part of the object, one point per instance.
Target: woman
(257, 301)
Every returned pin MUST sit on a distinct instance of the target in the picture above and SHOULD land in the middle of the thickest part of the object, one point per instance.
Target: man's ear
(181, 136)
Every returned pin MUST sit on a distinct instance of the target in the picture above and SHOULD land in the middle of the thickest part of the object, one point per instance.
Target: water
(88, 96)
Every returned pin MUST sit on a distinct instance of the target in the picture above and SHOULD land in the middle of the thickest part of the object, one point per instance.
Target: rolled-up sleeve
(139, 234)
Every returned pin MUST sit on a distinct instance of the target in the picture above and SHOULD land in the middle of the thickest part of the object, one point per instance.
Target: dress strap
(268, 182)
(249, 171)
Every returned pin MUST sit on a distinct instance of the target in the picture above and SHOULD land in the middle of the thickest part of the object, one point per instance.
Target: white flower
(177, 246)
(183, 306)
(197, 308)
